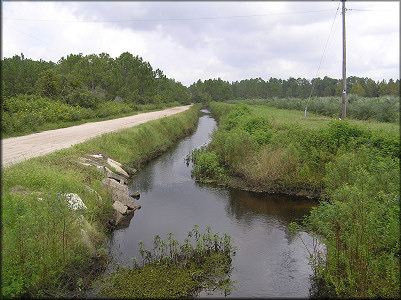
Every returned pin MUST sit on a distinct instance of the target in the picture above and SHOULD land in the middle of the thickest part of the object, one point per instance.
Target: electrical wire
(61, 51)
(321, 59)
(171, 19)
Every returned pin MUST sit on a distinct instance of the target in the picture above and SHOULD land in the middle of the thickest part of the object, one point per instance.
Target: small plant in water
(171, 269)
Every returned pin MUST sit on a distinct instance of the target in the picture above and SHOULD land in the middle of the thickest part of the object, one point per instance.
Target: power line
(321, 59)
(34, 37)
(15, 47)
(171, 19)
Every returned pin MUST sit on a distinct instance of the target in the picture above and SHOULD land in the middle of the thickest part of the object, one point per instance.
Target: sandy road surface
(17, 149)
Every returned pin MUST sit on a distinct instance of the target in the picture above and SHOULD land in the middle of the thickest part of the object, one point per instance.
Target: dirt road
(17, 149)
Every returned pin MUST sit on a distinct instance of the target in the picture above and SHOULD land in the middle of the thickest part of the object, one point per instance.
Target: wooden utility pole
(344, 93)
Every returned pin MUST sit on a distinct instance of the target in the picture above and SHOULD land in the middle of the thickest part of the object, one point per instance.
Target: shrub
(112, 108)
(360, 226)
(82, 97)
(207, 165)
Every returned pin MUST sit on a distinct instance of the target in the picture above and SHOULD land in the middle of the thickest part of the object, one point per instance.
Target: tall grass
(48, 250)
(278, 151)
(352, 166)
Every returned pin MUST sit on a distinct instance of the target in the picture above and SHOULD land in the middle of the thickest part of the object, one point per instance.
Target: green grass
(315, 121)
(43, 250)
(380, 109)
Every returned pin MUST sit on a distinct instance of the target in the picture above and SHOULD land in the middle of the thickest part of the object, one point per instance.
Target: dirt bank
(17, 149)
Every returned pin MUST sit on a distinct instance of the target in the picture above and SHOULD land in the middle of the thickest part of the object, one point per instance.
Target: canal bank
(269, 261)
(43, 253)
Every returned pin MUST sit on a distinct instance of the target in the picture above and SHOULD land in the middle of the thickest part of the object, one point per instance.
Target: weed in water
(182, 271)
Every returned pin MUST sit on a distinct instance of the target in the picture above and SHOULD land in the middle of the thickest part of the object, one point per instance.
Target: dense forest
(93, 79)
(220, 90)
(89, 80)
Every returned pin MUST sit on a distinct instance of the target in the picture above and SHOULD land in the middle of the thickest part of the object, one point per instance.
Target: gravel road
(17, 149)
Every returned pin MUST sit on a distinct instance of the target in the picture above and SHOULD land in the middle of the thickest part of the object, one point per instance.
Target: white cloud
(231, 40)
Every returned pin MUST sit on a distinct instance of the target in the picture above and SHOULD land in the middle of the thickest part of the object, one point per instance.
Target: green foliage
(219, 90)
(30, 113)
(112, 108)
(43, 248)
(382, 109)
(19, 75)
(83, 97)
(48, 84)
(354, 166)
(360, 226)
(358, 90)
(207, 166)
(235, 114)
(210, 90)
(341, 133)
(233, 145)
(27, 113)
(42, 238)
(259, 127)
(78, 83)
(172, 270)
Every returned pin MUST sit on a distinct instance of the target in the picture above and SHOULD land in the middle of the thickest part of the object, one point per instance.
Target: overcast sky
(205, 40)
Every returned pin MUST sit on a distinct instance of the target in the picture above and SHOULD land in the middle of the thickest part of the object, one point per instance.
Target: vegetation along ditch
(265, 145)
(266, 262)
(352, 166)
(44, 253)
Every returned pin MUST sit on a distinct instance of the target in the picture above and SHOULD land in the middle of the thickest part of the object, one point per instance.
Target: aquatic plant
(172, 269)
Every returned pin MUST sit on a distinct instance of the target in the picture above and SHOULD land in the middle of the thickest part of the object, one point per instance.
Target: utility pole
(344, 93)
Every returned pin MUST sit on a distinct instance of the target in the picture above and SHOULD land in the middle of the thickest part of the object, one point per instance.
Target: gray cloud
(231, 40)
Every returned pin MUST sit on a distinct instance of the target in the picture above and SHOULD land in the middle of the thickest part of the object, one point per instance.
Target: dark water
(268, 262)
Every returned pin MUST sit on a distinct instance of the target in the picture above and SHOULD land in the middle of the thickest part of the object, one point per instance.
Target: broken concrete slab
(123, 221)
(106, 171)
(121, 208)
(117, 167)
(118, 191)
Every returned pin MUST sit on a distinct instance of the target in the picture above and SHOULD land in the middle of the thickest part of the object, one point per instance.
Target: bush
(112, 108)
(207, 166)
(83, 97)
(27, 113)
(360, 226)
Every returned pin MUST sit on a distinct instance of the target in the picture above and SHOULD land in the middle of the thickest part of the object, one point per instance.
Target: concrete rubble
(116, 186)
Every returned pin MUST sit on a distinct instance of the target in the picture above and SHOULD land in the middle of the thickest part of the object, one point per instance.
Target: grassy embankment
(353, 166)
(25, 114)
(43, 249)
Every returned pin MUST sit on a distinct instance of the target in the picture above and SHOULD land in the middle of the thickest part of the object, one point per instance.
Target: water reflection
(268, 263)
(284, 208)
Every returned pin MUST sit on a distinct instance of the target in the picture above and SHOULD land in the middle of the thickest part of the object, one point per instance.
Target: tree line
(89, 80)
(220, 90)
(92, 79)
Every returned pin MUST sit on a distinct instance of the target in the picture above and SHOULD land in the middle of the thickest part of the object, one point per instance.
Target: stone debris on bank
(116, 186)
